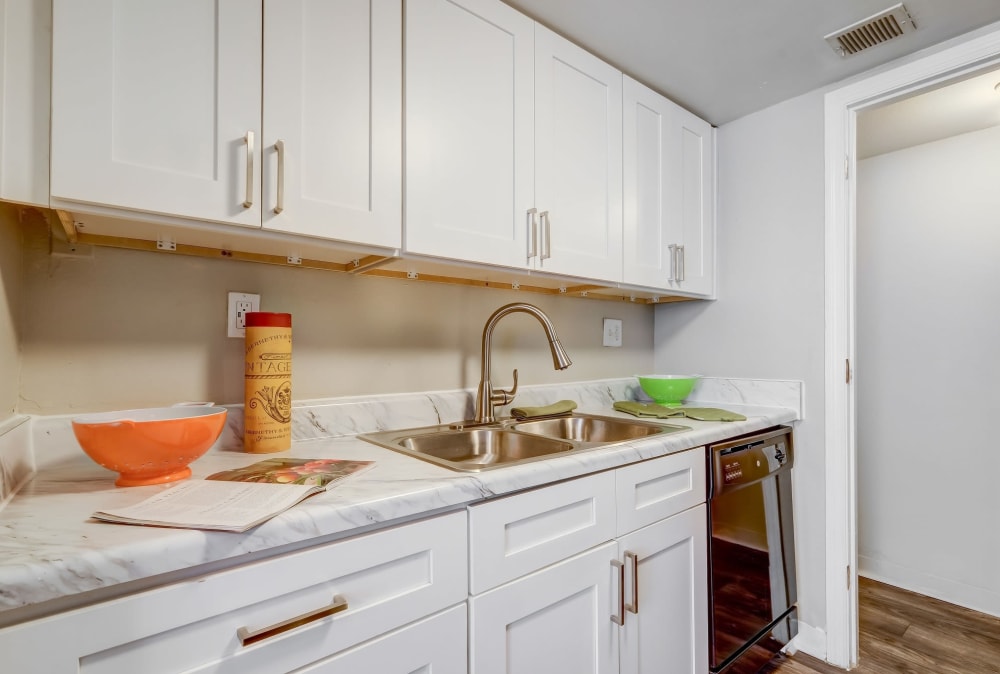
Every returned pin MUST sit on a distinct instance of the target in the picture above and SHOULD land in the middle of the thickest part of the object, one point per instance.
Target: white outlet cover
(612, 332)
(233, 327)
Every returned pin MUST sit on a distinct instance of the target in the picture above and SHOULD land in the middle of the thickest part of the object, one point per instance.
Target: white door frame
(841, 107)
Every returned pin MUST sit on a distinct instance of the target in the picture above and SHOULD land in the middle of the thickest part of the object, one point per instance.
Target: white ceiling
(972, 104)
(723, 59)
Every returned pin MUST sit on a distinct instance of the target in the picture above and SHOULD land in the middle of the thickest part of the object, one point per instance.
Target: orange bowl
(149, 446)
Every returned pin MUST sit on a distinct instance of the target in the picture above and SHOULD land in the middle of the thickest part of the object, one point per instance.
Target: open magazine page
(316, 472)
(204, 504)
(239, 499)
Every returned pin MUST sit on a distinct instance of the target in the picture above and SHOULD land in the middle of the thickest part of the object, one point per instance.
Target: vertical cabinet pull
(634, 605)
(248, 202)
(673, 262)
(619, 619)
(248, 637)
(532, 232)
(279, 147)
(681, 263)
(546, 236)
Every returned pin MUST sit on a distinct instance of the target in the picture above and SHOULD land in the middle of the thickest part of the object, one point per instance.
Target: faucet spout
(486, 396)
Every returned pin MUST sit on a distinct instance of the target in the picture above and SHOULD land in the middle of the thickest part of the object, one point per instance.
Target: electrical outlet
(240, 304)
(612, 332)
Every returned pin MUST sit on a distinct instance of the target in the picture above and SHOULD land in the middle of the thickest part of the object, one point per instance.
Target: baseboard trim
(810, 640)
(984, 600)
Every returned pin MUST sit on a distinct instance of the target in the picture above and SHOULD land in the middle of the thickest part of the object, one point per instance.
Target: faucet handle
(500, 397)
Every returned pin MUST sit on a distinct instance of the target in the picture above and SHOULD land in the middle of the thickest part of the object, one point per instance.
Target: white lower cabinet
(554, 620)
(385, 579)
(666, 579)
(635, 603)
(434, 645)
(602, 574)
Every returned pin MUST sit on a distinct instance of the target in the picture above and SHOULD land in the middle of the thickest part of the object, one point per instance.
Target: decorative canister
(267, 383)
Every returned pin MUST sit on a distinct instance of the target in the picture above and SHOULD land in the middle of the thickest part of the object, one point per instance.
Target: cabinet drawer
(651, 490)
(388, 578)
(437, 644)
(519, 534)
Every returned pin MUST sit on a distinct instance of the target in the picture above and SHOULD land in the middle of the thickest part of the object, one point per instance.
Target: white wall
(928, 368)
(10, 293)
(769, 320)
(127, 329)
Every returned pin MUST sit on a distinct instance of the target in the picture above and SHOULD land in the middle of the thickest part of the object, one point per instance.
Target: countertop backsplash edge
(52, 436)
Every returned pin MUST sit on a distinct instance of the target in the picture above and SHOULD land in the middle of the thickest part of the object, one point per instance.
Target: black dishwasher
(751, 553)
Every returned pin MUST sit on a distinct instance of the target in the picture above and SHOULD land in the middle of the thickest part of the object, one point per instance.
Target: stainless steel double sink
(512, 442)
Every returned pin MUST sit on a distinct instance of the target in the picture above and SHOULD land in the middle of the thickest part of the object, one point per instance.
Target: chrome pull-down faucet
(486, 396)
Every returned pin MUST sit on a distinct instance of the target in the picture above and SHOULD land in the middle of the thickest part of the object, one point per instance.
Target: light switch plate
(612, 332)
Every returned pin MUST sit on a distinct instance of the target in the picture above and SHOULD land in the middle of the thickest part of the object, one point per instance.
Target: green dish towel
(561, 407)
(639, 409)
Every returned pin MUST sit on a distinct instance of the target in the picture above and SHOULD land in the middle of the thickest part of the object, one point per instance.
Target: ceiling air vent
(882, 27)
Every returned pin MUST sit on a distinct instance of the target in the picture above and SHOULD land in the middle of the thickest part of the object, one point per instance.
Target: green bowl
(668, 389)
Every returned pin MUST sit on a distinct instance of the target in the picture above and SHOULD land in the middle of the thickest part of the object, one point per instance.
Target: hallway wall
(928, 299)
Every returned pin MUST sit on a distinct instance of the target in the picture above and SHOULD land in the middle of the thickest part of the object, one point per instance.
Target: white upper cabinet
(333, 104)
(25, 41)
(578, 145)
(513, 143)
(159, 107)
(469, 130)
(696, 258)
(669, 195)
(156, 106)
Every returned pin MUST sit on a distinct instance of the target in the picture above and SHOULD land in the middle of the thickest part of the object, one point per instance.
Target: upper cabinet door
(650, 224)
(469, 144)
(333, 104)
(696, 183)
(153, 105)
(25, 46)
(578, 140)
(669, 194)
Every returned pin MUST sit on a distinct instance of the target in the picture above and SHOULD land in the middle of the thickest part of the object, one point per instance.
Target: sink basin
(586, 428)
(510, 443)
(471, 449)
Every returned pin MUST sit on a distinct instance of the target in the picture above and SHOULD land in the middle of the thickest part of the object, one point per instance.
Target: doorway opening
(842, 107)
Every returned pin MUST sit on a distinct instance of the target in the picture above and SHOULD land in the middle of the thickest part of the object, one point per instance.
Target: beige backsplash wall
(124, 328)
(10, 295)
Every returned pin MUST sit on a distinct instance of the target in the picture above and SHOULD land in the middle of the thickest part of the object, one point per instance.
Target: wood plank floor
(913, 634)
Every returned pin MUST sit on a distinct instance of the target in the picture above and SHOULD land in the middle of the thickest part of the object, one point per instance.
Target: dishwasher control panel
(750, 459)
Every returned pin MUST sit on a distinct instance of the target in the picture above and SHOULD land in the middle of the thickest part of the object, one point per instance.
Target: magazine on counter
(239, 499)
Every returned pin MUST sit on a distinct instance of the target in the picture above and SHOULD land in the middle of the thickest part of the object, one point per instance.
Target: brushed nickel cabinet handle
(532, 232)
(620, 618)
(279, 147)
(681, 263)
(673, 262)
(248, 202)
(248, 637)
(634, 606)
(546, 235)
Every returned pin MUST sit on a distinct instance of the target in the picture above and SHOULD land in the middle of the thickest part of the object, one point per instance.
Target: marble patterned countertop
(53, 556)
